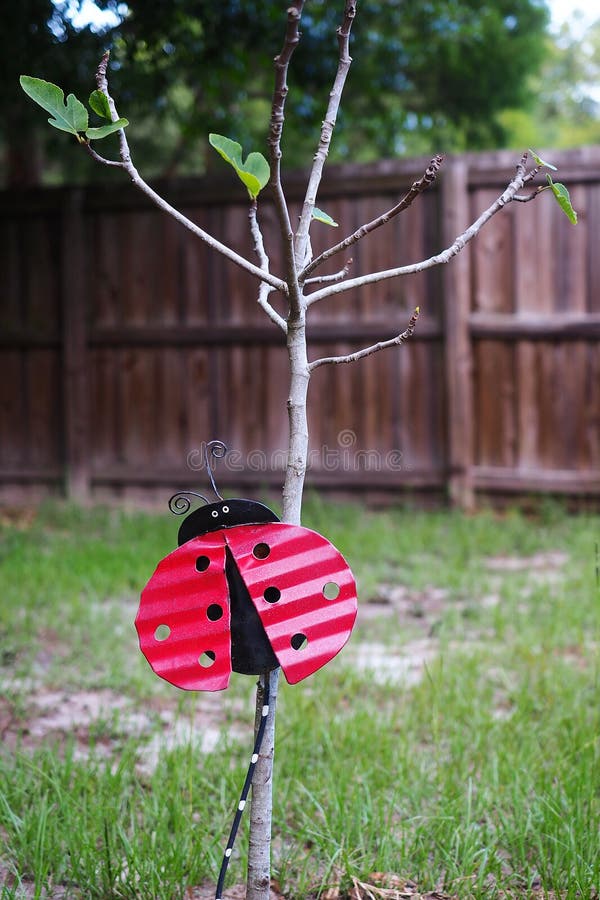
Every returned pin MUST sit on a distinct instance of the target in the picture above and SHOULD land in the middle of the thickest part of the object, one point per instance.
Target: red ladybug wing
(188, 594)
(305, 629)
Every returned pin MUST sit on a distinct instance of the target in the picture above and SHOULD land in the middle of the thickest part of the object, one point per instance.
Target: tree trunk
(259, 849)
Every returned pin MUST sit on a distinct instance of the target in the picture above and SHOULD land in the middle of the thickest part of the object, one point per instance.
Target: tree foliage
(36, 34)
(566, 112)
(431, 74)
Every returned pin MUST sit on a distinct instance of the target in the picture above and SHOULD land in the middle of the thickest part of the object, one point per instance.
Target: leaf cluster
(559, 191)
(71, 115)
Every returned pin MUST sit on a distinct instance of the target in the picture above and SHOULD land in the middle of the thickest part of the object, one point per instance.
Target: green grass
(484, 776)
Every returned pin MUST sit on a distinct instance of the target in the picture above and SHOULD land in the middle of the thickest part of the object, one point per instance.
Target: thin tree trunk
(259, 849)
(259, 846)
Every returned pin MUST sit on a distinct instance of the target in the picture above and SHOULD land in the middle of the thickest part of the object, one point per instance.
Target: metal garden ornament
(243, 592)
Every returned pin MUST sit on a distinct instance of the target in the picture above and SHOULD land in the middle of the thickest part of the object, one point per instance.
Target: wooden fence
(125, 343)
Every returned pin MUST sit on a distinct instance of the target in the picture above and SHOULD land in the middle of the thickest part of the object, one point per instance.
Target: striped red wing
(305, 628)
(183, 621)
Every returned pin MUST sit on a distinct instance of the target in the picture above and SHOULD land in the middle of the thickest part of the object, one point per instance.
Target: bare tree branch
(264, 289)
(101, 159)
(280, 92)
(531, 196)
(416, 188)
(302, 243)
(520, 179)
(368, 351)
(127, 164)
(330, 279)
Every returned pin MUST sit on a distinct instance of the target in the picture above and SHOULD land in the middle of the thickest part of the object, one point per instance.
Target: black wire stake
(246, 788)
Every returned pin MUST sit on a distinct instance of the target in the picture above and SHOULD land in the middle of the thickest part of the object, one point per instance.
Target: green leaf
(254, 173)
(71, 116)
(99, 103)
(563, 199)
(96, 134)
(230, 150)
(540, 161)
(258, 166)
(321, 216)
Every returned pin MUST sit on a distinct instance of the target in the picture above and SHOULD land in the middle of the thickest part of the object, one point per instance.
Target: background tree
(41, 30)
(429, 75)
(566, 111)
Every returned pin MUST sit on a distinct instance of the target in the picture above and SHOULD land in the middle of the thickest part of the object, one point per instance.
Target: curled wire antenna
(180, 502)
(216, 449)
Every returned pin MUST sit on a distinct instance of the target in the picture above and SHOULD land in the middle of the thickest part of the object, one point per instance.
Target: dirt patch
(20, 518)
(539, 563)
(405, 665)
(235, 892)
(25, 890)
(104, 719)
(408, 604)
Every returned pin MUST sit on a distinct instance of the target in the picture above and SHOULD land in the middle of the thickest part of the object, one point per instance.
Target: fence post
(74, 350)
(457, 340)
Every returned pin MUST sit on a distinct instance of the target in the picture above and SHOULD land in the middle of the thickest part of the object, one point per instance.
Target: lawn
(452, 747)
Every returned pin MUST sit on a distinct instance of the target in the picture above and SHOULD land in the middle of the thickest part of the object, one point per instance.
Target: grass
(482, 779)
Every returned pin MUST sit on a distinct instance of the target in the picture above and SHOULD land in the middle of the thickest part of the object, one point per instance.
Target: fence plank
(75, 360)
(457, 348)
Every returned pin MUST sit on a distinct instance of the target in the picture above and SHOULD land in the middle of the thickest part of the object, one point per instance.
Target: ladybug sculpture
(247, 593)
(244, 592)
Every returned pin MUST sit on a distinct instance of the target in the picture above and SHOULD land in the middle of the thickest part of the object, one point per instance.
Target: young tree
(299, 284)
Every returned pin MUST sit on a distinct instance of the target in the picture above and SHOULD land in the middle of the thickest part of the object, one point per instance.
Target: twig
(416, 188)
(520, 179)
(368, 351)
(330, 279)
(301, 243)
(531, 196)
(101, 159)
(127, 164)
(264, 289)
(280, 92)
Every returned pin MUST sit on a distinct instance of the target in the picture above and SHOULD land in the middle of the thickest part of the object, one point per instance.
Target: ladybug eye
(225, 509)
(214, 513)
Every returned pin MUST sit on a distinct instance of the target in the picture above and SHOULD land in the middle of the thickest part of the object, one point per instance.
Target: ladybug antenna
(180, 503)
(216, 449)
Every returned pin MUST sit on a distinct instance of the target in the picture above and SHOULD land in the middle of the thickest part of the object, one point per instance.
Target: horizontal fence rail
(125, 343)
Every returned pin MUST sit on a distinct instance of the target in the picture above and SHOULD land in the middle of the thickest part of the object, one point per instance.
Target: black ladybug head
(224, 514)
(220, 514)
